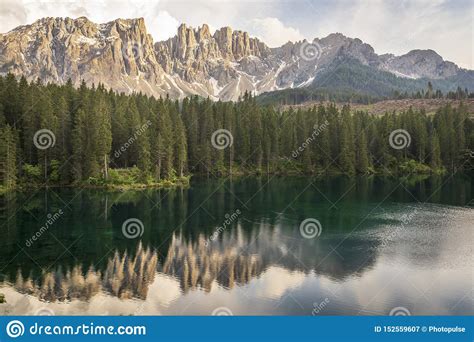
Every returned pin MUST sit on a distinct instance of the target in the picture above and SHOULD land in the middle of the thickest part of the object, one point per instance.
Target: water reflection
(123, 277)
(233, 260)
(260, 258)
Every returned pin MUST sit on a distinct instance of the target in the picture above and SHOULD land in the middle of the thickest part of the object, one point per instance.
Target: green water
(382, 243)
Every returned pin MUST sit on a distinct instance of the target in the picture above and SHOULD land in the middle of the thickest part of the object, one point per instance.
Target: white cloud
(400, 26)
(159, 23)
(162, 26)
(395, 26)
(273, 32)
(275, 282)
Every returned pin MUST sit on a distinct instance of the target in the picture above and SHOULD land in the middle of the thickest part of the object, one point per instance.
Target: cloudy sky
(395, 26)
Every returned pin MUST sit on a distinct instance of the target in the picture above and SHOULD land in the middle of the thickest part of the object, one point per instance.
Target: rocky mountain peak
(189, 43)
(222, 65)
(423, 56)
(196, 55)
(204, 32)
(335, 38)
(56, 49)
(421, 63)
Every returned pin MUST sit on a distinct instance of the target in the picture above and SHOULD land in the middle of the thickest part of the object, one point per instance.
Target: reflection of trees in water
(96, 216)
(59, 285)
(235, 258)
(124, 277)
(196, 265)
(239, 256)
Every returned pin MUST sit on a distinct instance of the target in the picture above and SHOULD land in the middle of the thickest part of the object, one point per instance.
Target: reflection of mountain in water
(196, 265)
(234, 259)
(238, 256)
(123, 277)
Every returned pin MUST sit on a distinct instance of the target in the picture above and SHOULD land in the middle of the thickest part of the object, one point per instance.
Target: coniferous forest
(61, 135)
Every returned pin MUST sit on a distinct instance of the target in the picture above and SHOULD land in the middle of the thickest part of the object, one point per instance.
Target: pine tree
(180, 147)
(435, 153)
(362, 154)
(8, 147)
(79, 144)
(47, 120)
(144, 155)
(103, 141)
(346, 154)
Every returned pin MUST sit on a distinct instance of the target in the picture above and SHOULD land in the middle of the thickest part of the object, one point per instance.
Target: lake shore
(164, 184)
(419, 171)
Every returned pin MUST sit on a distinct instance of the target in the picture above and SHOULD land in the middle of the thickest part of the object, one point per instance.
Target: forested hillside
(59, 135)
(348, 80)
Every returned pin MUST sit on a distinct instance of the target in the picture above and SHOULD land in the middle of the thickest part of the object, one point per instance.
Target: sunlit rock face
(222, 65)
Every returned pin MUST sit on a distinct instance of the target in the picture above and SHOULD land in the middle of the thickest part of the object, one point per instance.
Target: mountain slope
(122, 55)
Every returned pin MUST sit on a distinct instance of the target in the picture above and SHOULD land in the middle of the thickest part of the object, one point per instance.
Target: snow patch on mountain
(222, 66)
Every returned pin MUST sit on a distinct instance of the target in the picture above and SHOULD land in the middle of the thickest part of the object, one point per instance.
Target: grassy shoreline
(402, 169)
(164, 184)
(120, 184)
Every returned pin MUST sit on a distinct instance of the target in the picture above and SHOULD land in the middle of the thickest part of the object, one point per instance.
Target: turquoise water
(379, 244)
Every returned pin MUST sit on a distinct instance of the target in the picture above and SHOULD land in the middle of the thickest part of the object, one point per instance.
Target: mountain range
(222, 65)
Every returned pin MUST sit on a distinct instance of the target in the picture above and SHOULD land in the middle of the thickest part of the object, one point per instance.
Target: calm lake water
(236, 247)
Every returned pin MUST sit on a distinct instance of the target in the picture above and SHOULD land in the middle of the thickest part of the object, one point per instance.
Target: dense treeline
(297, 96)
(99, 136)
(431, 93)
